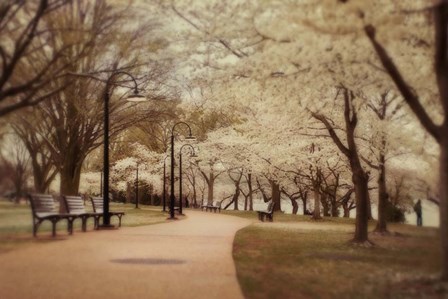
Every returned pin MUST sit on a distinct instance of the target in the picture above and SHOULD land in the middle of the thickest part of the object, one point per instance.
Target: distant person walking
(418, 211)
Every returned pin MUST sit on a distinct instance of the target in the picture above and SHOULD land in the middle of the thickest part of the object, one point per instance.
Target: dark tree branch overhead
(441, 53)
(224, 43)
(409, 95)
(29, 72)
(332, 133)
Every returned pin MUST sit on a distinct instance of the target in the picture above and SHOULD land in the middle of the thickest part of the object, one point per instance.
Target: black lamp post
(101, 184)
(189, 137)
(136, 188)
(135, 97)
(193, 154)
(164, 184)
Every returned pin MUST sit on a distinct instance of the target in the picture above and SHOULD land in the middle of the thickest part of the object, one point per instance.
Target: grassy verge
(296, 258)
(16, 223)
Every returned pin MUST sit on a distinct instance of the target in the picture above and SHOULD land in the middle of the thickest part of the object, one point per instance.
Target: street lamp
(164, 184)
(136, 188)
(101, 183)
(135, 97)
(180, 172)
(189, 137)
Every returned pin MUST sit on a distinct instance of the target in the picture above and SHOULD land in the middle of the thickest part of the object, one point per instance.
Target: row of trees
(299, 100)
(56, 58)
(327, 60)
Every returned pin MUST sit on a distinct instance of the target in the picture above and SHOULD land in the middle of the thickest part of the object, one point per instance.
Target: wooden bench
(212, 208)
(98, 206)
(75, 206)
(43, 208)
(176, 210)
(269, 213)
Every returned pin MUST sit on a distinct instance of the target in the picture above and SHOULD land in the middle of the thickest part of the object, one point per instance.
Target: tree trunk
(210, 185)
(40, 184)
(305, 211)
(128, 192)
(42, 174)
(346, 211)
(443, 207)
(325, 205)
(304, 198)
(195, 202)
(361, 192)
(236, 195)
(316, 213)
(381, 226)
(275, 195)
(295, 206)
(251, 199)
(70, 177)
(369, 205)
(334, 209)
(235, 199)
(346, 204)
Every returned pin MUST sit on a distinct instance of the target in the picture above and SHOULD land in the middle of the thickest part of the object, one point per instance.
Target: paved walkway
(191, 258)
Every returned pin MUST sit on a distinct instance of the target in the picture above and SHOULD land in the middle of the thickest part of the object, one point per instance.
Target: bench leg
(70, 225)
(99, 219)
(84, 223)
(53, 233)
(96, 224)
(35, 227)
(119, 220)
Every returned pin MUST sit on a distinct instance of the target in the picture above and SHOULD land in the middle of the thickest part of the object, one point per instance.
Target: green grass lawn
(295, 257)
(16, 223)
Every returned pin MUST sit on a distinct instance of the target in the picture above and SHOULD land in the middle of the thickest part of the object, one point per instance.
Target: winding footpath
(190, 258)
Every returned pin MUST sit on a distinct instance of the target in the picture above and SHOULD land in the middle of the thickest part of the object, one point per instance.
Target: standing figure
(418, 211)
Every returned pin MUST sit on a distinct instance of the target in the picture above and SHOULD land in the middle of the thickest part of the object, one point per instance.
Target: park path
(190, 258)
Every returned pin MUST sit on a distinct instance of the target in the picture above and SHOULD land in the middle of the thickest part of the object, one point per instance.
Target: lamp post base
(107, 227)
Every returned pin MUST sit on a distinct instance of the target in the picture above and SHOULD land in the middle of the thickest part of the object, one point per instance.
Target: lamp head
(190, 137)
(136, 97)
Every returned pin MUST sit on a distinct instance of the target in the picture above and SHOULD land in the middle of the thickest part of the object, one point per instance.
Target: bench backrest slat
(75, 204)
(42, 203)
(97, 204)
